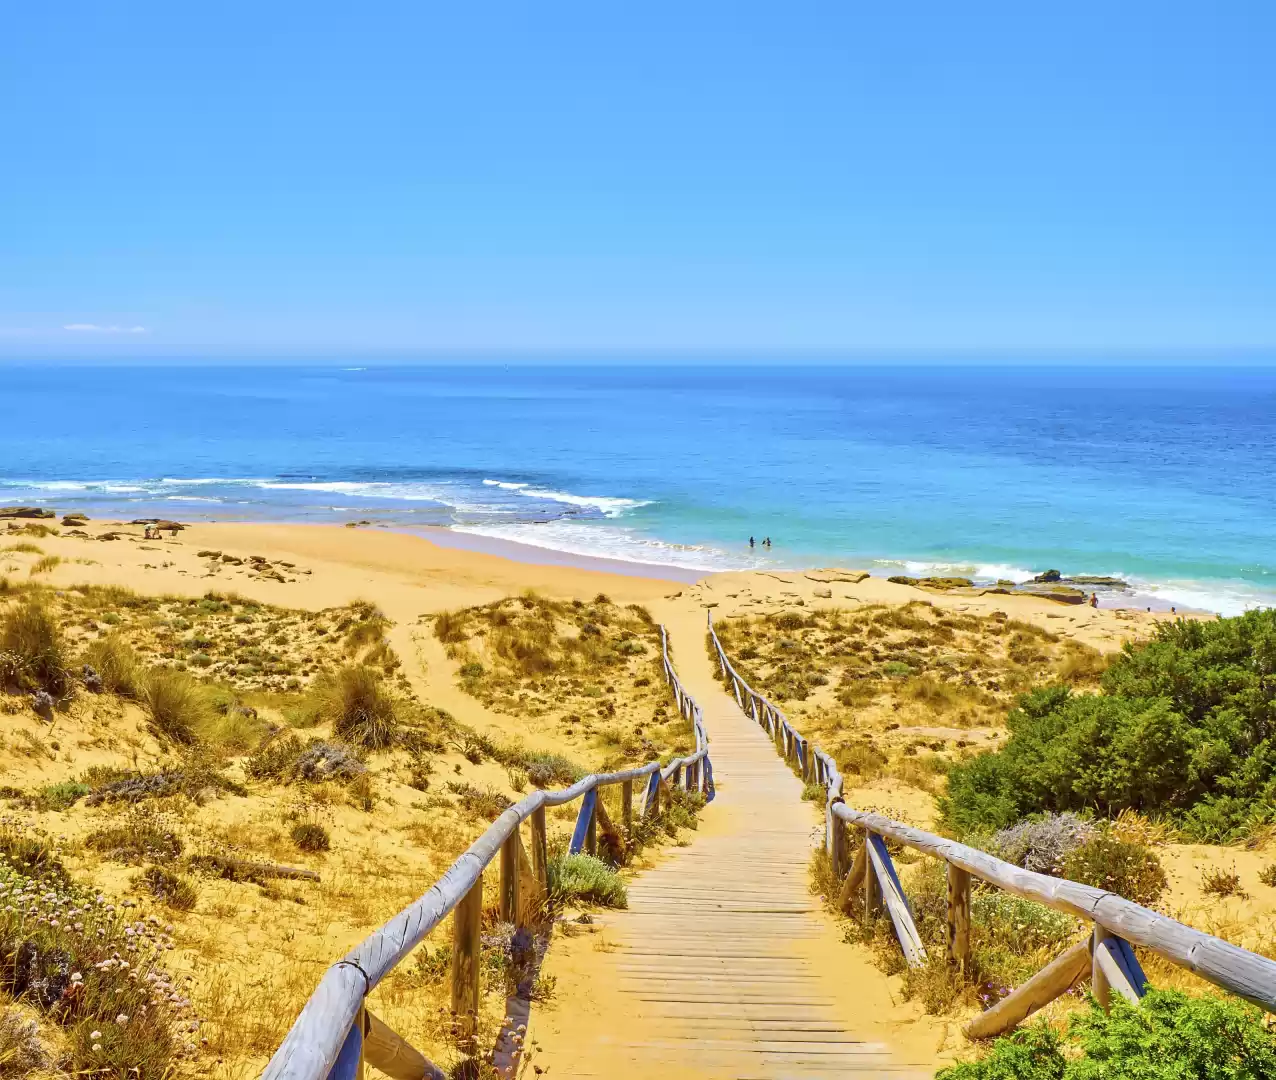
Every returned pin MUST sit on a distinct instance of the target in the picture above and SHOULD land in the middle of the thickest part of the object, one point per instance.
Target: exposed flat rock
(827, 577)
(25, 512)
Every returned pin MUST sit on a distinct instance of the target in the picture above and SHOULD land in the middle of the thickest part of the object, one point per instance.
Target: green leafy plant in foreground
(1169, 1036)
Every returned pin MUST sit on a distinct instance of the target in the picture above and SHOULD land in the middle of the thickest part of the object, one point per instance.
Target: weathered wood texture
(958, 929)
(467, 921)
(720, 967)
(386, 1051)
(1244, 973)
(311, 1047)
(1057, 977)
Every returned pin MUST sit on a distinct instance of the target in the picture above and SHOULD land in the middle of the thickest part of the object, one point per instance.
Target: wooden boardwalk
(724, 965)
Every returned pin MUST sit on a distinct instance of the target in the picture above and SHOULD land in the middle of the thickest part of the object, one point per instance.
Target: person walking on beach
(750, 543)
(1094, 600)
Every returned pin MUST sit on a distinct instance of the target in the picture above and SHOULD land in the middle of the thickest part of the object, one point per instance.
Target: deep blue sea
(1164, 476)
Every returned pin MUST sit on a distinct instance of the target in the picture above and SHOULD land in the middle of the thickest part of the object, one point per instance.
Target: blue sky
(660, 175)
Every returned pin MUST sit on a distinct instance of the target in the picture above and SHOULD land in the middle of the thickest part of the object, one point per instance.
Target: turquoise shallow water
(1164, 476)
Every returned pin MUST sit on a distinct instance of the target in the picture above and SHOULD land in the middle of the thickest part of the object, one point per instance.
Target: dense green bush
(1170, 1036)
(1184, 726)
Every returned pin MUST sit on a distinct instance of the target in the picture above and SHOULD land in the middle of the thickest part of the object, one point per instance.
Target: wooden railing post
(1099, 986)
(627, 806)
(540, 850)
(467, 918)
(591, 837)
(959, 918)
(509, 878)
(872, 887)
(837, 843)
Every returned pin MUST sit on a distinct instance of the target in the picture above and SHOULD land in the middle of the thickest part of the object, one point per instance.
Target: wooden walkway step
(724, 965)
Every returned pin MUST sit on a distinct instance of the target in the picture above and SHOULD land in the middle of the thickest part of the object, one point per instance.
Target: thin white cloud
(95, 328)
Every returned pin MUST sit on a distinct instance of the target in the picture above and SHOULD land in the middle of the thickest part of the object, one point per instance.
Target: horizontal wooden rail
(328, 1036)
(1118, 921)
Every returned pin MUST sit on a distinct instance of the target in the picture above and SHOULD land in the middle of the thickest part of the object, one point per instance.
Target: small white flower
(95, 1034)
(97, 1048)
(122, 1018)
(76, 977)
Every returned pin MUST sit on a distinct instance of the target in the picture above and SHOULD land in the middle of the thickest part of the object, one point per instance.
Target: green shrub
(32, 653)
(310, 836)
(585, 879)
(1128, 869)
(1182, 726)
(1169, 1036)
(61, 796)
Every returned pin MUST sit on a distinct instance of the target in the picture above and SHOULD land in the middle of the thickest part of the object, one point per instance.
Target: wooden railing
(335, 1032)
(1105, 954)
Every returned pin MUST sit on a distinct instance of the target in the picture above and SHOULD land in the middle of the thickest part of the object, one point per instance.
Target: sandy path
(725, 965)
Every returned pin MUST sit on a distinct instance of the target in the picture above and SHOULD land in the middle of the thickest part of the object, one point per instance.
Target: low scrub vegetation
(591, 669)
(1181, 728)
(1169, 1035)
(585, 879)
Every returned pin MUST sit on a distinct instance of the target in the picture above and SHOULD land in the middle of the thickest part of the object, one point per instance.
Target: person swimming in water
(750, 542)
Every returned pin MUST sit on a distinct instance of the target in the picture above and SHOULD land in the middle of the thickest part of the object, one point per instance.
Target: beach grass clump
(354, 700)
(30, 851)
(33, 653)
(116, 665)
(585, 879)
(136, 838)
(486, 804)
(1220, 882)
(168, 887)
(179, 707)
(310, 836)
(45, 565)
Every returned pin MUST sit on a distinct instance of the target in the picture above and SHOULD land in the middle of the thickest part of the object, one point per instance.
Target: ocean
(1163, 476)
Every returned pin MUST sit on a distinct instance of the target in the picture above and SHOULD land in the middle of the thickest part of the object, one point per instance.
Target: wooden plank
(627, 806)
(388, 1052)
(1117, 968)
(872, 885)
(540, 850)
(651, 801)
(892, 894)
(584, 822)
(349, 1062)
(611, 836)
(958, 929)
(1056, 978)
(1244, 973)
(1098, 975)
(466, 922)
(837, 843)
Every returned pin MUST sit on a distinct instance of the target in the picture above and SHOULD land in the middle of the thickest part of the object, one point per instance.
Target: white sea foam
(609, 542)
(507, 485)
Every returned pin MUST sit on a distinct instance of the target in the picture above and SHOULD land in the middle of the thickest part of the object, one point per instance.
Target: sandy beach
(407, 575)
